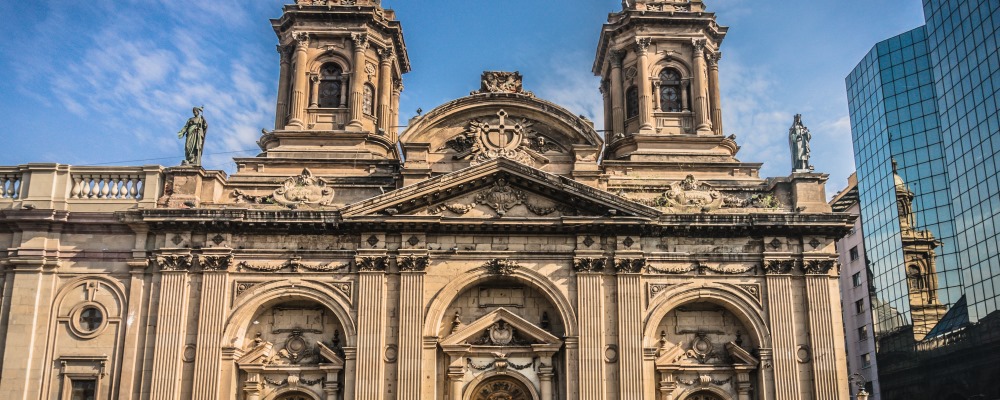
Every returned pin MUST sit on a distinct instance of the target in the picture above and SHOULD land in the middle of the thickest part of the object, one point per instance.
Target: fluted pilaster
(211, 324)
(617, 96)
(358, 80)
(411, 319)
(715, 101)
(645, 86)
(590, 295)
(371, 335)
(782, 315)
(829, 376)
(385, 122)
(700, 95)
(284, 76)
(630, 335)
(301, 81)
(171, 332)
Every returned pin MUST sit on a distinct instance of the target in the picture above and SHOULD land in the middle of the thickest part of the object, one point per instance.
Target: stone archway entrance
(294, 396)
(704, 396)
(501, 388)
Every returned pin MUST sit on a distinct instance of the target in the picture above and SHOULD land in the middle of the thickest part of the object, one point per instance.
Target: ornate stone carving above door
(505, 136)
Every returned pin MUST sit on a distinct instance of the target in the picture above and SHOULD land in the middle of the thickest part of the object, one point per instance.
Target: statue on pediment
(193, 134)
(798, 140)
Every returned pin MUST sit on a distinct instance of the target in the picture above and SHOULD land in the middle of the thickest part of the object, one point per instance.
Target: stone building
(498, 248)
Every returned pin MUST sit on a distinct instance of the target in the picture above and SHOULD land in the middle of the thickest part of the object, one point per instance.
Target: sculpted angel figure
(193, 134)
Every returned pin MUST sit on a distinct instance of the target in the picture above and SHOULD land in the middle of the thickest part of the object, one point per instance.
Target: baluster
(3, 187)
(88, 186)
(106, 187)
(134, 190)
(14, 190)
(115, 186)
(77, 188)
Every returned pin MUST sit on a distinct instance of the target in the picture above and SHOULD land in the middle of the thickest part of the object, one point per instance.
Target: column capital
(713, 59)
(413, 263)
(642, 45)
(397, 86)
(386, 56)
(360, 41)
(588, 264)
(616, 58)
(630, 265)
(302, 39)
(172, 262)
(372, 263)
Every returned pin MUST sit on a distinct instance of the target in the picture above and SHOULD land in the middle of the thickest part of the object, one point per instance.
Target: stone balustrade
(111, 185)
(10, 183)
(86, 189)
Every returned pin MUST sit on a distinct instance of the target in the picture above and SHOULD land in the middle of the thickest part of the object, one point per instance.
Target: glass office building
(925, 126)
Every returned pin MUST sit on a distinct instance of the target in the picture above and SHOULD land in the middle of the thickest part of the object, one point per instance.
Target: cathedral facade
(498, 248)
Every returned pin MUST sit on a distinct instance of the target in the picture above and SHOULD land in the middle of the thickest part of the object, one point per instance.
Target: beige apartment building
(499, 248)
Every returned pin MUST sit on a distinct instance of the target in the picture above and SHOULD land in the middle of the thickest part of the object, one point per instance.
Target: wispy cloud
(567, 84)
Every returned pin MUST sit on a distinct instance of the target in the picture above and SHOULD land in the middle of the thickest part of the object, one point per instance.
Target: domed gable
(501, 121)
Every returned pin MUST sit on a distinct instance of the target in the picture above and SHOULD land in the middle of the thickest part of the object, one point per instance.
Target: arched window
(368, 104)
(632, 102)
(670, 91)
(331, 86)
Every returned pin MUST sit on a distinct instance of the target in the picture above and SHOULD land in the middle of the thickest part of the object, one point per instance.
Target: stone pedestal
(189, 187)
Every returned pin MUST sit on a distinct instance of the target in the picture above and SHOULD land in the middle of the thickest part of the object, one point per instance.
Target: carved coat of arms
(504, 137)
(304, 189)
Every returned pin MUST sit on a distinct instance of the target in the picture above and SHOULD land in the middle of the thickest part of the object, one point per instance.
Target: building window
(866, 360)
(670, 91)
(84, 389)
(91, 319)
(863, 333)
(368, 105)
(856, 279)
(331, 86)
(859, 306)
(854, 253)
(632, 102)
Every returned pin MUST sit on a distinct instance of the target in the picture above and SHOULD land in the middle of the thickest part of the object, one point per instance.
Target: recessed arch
(290, 393)
(272, 293)
(743, 307)
(447, 295)
(670, 62)
(316, 63)
(469, 389)
(690, 394)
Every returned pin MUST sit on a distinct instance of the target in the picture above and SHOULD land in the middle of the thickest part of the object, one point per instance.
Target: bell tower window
(368, 104)
(331, 86)
(670, 91)
(632, 102)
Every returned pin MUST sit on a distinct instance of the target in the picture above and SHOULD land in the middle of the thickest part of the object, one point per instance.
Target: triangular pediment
(259, 355)
(500, 328)
(497, 189)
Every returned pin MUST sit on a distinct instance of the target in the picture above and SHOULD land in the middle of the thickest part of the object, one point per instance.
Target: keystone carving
(499, 266)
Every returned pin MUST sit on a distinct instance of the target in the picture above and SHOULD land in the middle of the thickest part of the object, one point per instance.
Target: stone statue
(194, 135)
(798, 140)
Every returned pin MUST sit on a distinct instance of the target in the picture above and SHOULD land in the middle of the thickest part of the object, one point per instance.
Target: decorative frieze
(672, 269)
(293, 264)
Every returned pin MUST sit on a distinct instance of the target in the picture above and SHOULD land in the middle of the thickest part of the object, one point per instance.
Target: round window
(91, 319)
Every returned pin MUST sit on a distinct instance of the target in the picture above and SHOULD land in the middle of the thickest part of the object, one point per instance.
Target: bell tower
(341, 71)
(659, 64)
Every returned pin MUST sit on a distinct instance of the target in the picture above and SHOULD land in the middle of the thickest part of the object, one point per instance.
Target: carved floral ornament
(301, 190)
(691, 194)
(501, 266)
(502, 137)
(293, 264)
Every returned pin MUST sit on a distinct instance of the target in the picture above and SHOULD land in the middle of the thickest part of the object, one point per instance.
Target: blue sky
(110, 82)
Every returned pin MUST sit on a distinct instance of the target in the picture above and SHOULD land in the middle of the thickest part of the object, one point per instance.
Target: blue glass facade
(963, 41)
(926, 101)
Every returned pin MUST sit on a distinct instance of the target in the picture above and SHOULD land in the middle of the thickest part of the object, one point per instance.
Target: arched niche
(287, 393)
(437, 312)
(483, 381)
(704, 394)
(521, 299)
(744, 308)
(264, 296)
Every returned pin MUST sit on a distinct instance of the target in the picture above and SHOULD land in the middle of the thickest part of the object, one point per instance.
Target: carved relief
(304, 189)
(369, 264)
(502, 82)
(779, 266)
(294, 264)
(173, 262)
(589, 264)
(630, 265)
(821, 267)
(730, 269)
(413, 263)
(215, 263)
(499, 266)
(690, 193)
(672, 269)
(514, 139)
(501, 197)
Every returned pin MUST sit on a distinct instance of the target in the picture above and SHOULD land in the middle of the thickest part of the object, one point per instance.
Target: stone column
(630, 326)
(456, 385)
(765, 379)
(782, 315)
(371, 327)
(281, 113)
(716, 98)
(411, 323)
(385, 90)
(608, 125)
(590, 301)
(313, 90)
(617, 96)
(211, 325)
(397, 91)
(545, 376)
(645, 87)
(656, 96)
(350, 368)
(700, 95)
(171, 327)
(685, 93)
(358, 80)
(828, 353)
(300, 80)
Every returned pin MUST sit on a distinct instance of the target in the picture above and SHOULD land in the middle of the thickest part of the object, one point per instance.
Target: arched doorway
(704, 396)
(501, 388)
(294, 396)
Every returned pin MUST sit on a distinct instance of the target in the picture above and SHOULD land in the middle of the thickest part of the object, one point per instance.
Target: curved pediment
(490, 125)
